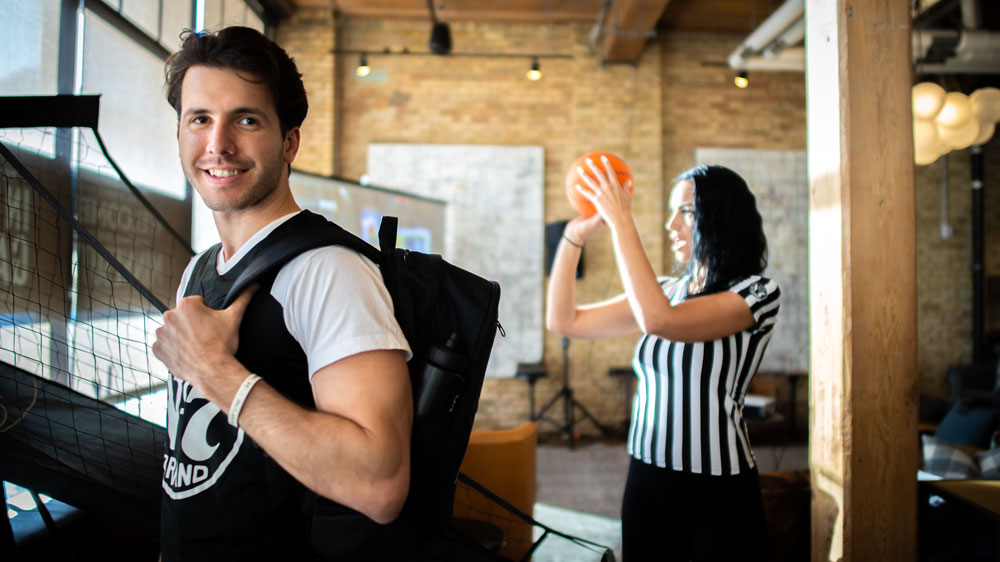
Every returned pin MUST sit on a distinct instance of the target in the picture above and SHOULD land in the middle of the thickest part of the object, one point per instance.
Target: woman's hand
(580, 229)
(612, 201)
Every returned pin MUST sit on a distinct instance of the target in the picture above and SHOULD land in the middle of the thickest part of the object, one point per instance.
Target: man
(311, 461)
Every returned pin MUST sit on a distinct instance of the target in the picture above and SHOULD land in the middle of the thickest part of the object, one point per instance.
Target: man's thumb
(239, 306)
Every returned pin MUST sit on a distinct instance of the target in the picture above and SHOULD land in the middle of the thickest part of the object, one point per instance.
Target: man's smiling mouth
(224, 173)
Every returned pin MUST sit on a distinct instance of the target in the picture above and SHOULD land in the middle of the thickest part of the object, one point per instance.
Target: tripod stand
(570, 405)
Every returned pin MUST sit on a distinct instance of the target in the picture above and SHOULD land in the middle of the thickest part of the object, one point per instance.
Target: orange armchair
(504, 462)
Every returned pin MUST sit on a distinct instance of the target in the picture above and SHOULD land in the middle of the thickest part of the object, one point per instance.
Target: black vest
(254, 510)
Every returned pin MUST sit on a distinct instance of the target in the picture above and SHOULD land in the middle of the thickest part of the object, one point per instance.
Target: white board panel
(780, 181)
(494, 225)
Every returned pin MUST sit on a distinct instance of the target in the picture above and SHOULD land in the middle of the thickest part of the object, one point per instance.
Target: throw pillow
(968, 426)
(989, 463)
(948, 461)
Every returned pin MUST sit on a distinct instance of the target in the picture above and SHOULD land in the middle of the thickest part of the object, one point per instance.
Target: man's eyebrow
(247, 109)
(238, 111)
(194, 111)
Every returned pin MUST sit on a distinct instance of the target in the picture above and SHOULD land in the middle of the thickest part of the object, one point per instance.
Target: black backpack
(449, 318)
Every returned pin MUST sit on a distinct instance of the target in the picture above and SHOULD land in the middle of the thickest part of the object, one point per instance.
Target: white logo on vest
(206, 446)
(759, 290)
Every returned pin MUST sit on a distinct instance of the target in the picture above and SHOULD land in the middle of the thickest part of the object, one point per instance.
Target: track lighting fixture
(363, 69)
(440, 43)
(535, 73)
(741, 80)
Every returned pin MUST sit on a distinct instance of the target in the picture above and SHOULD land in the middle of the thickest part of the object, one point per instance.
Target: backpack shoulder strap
(303, 232)
(387, 247)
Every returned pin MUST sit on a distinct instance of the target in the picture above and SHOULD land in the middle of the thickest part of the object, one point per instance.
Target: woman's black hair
(253, 56)
(728, 241)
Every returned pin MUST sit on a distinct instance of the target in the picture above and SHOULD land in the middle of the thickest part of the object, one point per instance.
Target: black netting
(85, 271)
(523, 536)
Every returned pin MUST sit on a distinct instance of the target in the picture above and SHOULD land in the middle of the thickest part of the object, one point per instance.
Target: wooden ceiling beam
(511, 11)
(278, 9)
(627, 28)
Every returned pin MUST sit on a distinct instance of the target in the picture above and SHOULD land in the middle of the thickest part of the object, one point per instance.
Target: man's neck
(236, 227)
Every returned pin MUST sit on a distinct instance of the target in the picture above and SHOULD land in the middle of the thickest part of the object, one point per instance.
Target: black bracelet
(572, 242)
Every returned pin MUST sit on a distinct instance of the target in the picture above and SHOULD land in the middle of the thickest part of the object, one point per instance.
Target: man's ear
(292, 139)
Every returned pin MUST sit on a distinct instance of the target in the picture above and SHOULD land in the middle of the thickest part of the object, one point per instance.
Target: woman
(692, 490)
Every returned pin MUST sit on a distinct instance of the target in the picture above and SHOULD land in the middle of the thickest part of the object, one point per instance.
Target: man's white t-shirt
(333, 299)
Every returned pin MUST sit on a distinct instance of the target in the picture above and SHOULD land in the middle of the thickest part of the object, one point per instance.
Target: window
(145, 14)
(29, 64)
(161, 20)
(30, 61)
(137, 124)
(176, 17)
(223, 13)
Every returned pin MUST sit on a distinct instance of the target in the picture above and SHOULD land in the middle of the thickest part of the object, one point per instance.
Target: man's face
(229, 139)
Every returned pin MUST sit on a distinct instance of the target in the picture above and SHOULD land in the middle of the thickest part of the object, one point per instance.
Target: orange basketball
(576, 199)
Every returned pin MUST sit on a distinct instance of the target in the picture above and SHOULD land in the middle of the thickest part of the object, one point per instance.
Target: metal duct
(790, 37)
(782, 18)
(940, 51)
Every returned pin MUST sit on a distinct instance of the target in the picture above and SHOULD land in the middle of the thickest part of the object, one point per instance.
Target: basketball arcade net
(86, 269)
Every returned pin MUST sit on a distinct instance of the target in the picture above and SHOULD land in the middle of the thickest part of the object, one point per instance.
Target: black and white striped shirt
(687, 413)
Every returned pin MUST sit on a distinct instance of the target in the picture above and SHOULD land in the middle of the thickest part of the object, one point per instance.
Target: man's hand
(196, 341)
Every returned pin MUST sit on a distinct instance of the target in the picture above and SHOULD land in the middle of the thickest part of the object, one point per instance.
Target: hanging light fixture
(440, 43)
(363, 69)
(986, 104)
(928, 98)
(943, 122)
(956, 110)
(535, 73)
(741, 80)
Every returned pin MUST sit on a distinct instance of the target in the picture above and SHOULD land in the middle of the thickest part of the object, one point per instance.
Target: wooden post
(862, 247)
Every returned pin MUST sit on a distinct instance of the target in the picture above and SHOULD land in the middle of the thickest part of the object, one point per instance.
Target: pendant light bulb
(535, 73)
(363, 69)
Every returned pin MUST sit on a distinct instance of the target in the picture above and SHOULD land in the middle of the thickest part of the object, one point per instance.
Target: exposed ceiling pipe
(938, 51)
(956, 52)
(920, 7)
(597, 31)
(790, 37)
(971, 16)
(792, 59)
(782, 18)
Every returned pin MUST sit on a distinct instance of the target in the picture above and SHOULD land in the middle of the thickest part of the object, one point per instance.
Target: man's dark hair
(728, 239)
(250, 54)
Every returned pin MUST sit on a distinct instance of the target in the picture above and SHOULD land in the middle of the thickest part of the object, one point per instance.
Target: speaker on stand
(553, 235)
(570, 406)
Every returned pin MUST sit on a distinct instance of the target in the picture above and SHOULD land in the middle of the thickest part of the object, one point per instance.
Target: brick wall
(654, 114)
(309, 37)
(944, 266)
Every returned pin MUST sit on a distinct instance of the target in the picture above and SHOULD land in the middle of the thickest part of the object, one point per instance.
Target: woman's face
(681, 222)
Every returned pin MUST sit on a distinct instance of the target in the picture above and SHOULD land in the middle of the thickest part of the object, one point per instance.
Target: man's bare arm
(354, 449)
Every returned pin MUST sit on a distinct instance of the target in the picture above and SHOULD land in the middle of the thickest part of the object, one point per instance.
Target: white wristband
(240, 398)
